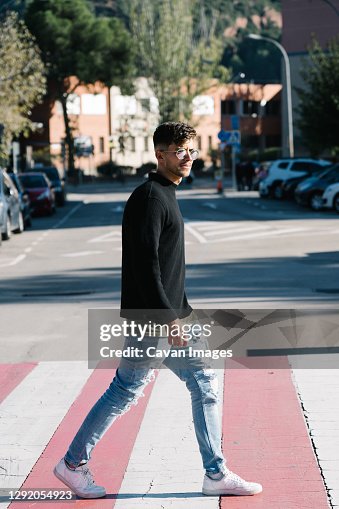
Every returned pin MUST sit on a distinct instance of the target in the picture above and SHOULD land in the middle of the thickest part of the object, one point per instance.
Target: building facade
(302, 20)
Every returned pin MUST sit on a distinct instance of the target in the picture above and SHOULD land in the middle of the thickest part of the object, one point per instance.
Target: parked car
(40, 192)
(331, 197)
(283, 169)
(287, 188)
(25, 202)
(58, 184)
(310, 191)
(11, 219)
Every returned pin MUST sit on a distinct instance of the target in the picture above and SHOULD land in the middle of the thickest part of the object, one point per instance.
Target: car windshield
(52, 173)
(329, 172)
(32, 181)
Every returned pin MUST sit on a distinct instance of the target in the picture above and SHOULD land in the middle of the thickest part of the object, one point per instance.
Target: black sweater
(153, 254)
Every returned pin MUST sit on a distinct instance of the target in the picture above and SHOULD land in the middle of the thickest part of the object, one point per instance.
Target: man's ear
(159, 154)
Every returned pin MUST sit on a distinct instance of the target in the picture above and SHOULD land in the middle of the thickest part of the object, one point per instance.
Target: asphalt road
(241, 252)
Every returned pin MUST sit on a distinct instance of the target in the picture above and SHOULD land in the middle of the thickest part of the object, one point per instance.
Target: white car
(283, 169)
(331, 197)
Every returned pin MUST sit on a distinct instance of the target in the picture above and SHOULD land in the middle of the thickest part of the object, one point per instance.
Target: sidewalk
(150, 458)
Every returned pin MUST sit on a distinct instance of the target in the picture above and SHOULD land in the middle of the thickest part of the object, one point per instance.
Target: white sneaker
(230, 484)
(79, 480)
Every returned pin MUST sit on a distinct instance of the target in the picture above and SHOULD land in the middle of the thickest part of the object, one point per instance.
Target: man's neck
(169, 176)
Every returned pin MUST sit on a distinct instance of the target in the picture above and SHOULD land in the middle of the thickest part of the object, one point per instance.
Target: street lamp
(288, 87)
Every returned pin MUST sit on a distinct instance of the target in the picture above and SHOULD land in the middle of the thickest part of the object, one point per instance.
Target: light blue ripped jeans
(132, 375)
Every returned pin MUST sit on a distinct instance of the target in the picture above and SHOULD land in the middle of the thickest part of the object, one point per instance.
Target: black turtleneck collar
(158, 177)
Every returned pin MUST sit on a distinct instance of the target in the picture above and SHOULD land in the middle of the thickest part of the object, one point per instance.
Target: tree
(178, 64)
(22, 80)
(74, 42)
(319, 100)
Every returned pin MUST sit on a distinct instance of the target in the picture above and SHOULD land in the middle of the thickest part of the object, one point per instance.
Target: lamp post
(288, 87)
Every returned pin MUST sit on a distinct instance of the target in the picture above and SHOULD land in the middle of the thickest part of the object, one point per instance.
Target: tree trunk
(69, 136)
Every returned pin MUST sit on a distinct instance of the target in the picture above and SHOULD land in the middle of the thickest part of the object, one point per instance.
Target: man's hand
(174, 337)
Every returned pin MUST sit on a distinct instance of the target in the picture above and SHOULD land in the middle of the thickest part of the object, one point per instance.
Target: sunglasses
(181, 153)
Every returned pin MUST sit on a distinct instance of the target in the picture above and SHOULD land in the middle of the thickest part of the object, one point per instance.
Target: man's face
(171, 165)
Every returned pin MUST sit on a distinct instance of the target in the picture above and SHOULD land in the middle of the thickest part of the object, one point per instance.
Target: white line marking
(67, 216)
(240, 230)
(107, 237)
(48, 391)
(174, 443)
(210, 205)
(83, 253)
(16, 260)
(28, 250)
(262, 234)
(195, 234)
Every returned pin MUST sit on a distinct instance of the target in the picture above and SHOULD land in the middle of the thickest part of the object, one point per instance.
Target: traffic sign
(230, 137)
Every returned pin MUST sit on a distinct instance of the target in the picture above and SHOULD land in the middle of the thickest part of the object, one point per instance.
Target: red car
(40, 192)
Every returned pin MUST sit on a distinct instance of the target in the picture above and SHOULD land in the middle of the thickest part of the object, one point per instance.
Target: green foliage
(74, 42)
(22, 80)
(177, 63)
(319, 100)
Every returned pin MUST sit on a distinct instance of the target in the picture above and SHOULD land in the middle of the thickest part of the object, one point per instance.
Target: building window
(273, 108)
(132, 142)
(146, 145)
(102, 145)
(250, 107)
(210, 142)
(228, 107)
(199, 142)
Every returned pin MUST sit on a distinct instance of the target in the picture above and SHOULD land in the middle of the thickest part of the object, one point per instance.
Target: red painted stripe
(11, 375)
(265, 438)
(110, 457)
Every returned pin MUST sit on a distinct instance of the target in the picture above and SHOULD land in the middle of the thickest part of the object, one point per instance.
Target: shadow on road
(264, 278)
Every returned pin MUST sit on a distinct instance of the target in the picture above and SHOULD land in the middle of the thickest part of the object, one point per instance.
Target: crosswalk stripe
(110, 457)
(31, 413)
(195, 233)
(239, 230)
(262, 234)
(166, 459)
(265, 437)
(11, 375)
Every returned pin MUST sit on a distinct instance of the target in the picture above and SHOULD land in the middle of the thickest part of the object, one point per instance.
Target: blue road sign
(229, 137)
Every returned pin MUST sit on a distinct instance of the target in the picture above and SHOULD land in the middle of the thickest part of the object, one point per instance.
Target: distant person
(240, 175)
(153, 278)
(249, 172)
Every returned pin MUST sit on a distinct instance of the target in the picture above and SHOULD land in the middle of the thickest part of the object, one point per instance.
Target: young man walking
(153, 291)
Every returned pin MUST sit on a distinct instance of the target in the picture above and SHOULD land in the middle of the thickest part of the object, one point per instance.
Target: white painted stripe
(213, 225)
(83, 253)
(67, 216)
(15, 261)
(239, 230)
(262, 234)
(32, 412)
(107, 237)
(195, 234)
(166, 458)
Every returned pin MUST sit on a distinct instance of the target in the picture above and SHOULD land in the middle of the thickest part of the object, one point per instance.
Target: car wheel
(21, 225)
(316, 201)
(8, 229)
(336, 203)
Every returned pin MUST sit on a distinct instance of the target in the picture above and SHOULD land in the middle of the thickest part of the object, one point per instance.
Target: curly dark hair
(173, 132)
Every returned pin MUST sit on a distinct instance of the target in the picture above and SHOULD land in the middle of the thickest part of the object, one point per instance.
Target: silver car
(11, 219)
